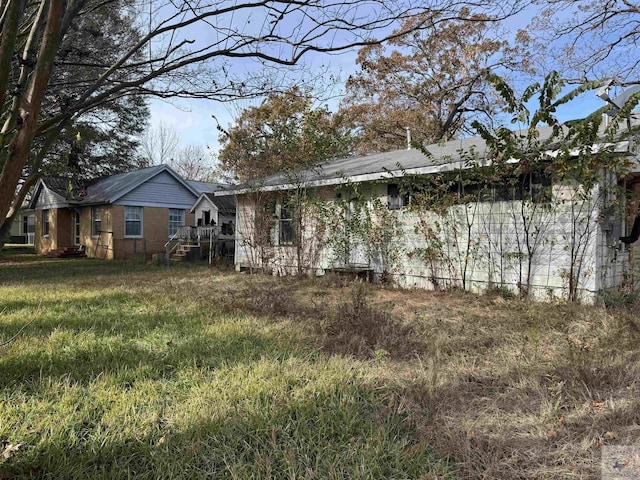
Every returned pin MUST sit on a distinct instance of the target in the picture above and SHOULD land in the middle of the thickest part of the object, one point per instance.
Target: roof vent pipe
(408, 138)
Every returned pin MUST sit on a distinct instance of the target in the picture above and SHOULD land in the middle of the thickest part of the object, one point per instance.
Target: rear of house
(534, 235)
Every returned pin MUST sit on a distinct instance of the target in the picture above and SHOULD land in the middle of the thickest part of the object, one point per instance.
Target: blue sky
(193, 119)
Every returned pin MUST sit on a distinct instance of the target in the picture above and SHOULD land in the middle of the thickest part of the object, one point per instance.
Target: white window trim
(48, 222)
(183, 219)
(141, 222)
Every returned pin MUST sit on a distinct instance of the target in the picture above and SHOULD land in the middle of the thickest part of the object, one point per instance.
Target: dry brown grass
(509, 389)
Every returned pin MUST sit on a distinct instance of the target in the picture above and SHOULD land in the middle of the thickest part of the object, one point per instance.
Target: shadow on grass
(118, 333)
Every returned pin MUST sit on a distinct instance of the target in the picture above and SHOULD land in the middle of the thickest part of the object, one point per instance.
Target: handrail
(173, 237)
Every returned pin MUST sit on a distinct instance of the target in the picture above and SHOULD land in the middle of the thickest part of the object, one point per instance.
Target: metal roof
(372, 167)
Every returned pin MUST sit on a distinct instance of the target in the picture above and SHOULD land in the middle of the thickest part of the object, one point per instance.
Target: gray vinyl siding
(47, 200)
(163, 190)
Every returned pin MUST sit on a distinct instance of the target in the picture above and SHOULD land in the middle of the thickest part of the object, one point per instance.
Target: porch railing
(190, 236)
(196, 234)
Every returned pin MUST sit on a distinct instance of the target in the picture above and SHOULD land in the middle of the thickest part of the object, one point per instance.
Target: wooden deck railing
(196, 234)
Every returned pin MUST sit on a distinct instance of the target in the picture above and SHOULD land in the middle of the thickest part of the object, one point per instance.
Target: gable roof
(110, 189)
(225, 205)
(104, 190)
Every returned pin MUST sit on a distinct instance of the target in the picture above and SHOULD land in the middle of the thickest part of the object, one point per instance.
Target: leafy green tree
(284, 133)
(101, 142)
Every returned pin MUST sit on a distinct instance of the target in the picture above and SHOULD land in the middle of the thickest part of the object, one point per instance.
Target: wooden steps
(185, 253)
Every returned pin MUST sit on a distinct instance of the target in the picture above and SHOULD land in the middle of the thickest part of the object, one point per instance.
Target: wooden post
(144, 249)
(135, 248)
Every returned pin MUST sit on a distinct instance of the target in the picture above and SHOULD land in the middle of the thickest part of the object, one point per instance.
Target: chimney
(408, 138)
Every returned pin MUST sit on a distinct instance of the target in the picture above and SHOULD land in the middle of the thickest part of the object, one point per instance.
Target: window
(31, 224)
(285, 225)
(95, 221)
(531, 186)
(176, 220)
(133, 221)
(45, 222)
(395, 199)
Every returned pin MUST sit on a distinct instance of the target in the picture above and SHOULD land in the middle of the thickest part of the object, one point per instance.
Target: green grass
(128, 370)
(135, 371)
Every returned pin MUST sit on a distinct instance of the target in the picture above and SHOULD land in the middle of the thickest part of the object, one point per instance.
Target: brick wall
(60, 230)
(155, 229)
(99, 246)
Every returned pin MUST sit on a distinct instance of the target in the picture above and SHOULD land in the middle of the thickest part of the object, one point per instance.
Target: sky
(195, 121)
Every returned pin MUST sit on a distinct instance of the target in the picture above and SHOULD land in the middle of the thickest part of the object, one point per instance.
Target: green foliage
(360, 229)
(523, 164)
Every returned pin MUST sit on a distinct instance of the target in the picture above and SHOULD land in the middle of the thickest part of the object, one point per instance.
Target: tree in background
(101, 142)
(432, 81)
(161, 145)
(284, 133)
(166, 57)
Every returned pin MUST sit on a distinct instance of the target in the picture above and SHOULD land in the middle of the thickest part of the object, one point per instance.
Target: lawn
(126, 370)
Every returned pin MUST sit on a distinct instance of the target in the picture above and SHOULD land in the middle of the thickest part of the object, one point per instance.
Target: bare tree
(160, 144)
(586, 39)
(181, 49)
(195, 162)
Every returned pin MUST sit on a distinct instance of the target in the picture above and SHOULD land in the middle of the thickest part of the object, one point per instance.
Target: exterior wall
(163, 190)
(215, 216)
(203, 205)
(18, 233)
(475, 246)
(60, 230)
(155, 230)
(99, 246)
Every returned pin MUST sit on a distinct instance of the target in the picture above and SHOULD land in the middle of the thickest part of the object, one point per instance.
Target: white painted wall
(492, 251)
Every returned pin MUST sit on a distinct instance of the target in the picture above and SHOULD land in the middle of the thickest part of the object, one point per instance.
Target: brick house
(120, 216)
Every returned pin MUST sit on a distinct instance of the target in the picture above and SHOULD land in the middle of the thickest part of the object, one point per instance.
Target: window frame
(397, 200)
(128, 209)
(181, 221)
(286, 224)
(46, 217)
(96, 222)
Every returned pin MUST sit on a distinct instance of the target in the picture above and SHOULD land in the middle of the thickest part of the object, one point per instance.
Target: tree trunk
(5, 229)
(30, 109)
(8, 43)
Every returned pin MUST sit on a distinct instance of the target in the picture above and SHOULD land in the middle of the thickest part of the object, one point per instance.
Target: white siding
(482, 245)
(48, 199)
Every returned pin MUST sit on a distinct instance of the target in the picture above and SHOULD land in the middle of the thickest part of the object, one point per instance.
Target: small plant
(381, 355)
